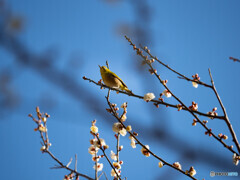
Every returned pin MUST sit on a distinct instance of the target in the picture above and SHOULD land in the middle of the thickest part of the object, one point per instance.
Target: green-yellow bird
(112, 80)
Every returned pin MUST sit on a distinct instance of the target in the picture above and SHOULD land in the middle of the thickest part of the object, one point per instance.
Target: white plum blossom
(99, 166)
(114, 174)
(145, 151)
(113, 156)
(235, 159)
(118, 128)
(94, 129)
(167, 93)
(195, 84)
(177, 165)
(148, 97)
(93, 149)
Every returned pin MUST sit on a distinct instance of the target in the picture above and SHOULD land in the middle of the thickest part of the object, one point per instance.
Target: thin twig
(234, 59)
(225, 114)
(71, 170)
(102, 174)
(118, 141)
(165, 65)
(96, 171)
(68, 164)
(107, 64)
(75, 162)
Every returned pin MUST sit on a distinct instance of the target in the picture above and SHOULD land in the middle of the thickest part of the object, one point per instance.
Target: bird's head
(103, 68)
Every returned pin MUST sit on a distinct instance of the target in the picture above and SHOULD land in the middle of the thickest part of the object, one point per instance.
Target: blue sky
(189, 36)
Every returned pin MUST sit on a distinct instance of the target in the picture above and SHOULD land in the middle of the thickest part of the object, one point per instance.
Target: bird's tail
(127, 90)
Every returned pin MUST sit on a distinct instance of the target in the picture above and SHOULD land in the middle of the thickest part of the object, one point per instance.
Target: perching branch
(157, 102)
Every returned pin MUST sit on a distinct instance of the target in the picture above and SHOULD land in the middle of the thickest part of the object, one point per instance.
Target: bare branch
(225, 114)
(234, 59)
(45, 149)
(208, 131)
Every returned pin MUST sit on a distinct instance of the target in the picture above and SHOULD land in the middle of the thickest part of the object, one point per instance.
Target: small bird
(112, 80)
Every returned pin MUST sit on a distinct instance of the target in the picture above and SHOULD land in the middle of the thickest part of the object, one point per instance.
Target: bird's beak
(99, 66)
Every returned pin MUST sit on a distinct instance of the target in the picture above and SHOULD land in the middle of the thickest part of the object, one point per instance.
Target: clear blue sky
(190, 36)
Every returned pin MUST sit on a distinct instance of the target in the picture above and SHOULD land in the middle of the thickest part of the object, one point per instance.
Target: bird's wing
(115, 76)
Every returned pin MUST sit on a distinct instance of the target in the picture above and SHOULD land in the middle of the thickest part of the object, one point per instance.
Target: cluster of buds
(69, 177)
(235, 159)
(108, 110)
(194, 122)
(145, 150)
(99, 143)
(124, 115)
(191, 171)
(41, 122)
(209, 132)
(213, 113)
(223, 136)
(179, 107)
(138, 51)
(133, 142)
(45, 147)
(148, 97)
(114, 106)
(117, 167)
(166, 93)
(205, 122)
(156, 104)
(41, 128)
(96, 143)
(100, 83)
(177, 165)
(146, 49)
(152, 71)
(196, 78)
(118, 128)
(165, 82)
(234, 59)
(113, 173)
(151, 60)
(193, 107)
(161, 98)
